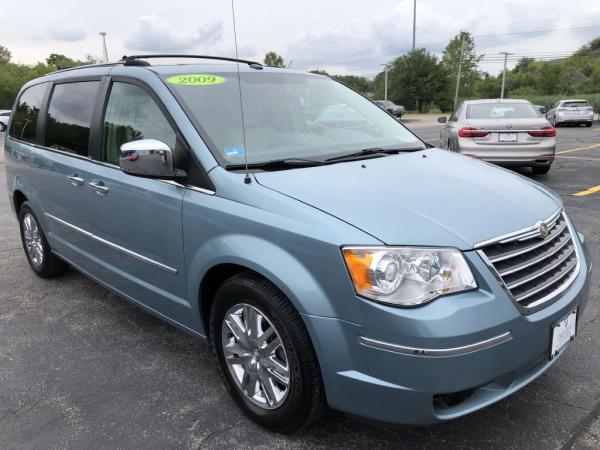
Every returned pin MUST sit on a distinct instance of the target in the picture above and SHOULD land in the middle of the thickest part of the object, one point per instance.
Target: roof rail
(85, 66)
(137, 60)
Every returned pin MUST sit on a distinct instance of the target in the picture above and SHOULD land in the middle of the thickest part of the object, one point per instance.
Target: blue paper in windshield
(236, 150)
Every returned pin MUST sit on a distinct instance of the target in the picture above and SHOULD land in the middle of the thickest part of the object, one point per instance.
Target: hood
(430, 198)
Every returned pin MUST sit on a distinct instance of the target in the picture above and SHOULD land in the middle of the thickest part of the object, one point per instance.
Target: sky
(340, 36)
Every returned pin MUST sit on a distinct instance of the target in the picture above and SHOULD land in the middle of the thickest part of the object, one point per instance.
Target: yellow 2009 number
(196, 79)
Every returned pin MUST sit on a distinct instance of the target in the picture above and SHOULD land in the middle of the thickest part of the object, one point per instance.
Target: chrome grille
(534, 269)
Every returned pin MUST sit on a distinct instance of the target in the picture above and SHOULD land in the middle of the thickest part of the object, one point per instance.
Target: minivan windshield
(502, 111)
(286, 115)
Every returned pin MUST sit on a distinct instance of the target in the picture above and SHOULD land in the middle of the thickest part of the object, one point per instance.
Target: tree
(4, 55)
(470, 75)
(360, 84)
(62, 62)
(415, 80)
(273, 59)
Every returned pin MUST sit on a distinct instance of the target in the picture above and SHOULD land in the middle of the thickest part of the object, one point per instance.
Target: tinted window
(502, 111)
(575, 104)
(70, 115)
(131, 115)
(24, 122)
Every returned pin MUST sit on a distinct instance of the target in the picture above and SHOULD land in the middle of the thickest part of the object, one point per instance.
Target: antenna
(247, 178)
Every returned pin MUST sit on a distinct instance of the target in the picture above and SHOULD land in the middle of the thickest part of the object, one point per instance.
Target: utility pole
(504, 73)
(414, 22)
(386, 68)
(462, 48)
(105, 52)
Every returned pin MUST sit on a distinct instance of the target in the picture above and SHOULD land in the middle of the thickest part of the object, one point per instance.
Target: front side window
(502, 111)
(70, 116)
(286, 115)
(131, 115)
(24, 123)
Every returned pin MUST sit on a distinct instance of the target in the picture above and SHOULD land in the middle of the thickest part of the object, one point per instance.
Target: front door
(136, 221)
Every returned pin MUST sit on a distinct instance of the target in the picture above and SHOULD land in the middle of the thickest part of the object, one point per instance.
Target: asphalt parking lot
(81, 368)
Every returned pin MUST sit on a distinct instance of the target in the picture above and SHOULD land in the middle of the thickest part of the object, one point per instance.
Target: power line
(399, 50)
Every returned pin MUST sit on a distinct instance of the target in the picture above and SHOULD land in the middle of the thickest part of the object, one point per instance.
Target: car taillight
(543, 132)
(472, 132)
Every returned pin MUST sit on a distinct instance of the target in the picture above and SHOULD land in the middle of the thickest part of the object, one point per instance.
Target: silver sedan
(505, 132)
(571, 111)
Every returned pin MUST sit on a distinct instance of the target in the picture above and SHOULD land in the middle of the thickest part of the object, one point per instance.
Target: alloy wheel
(255, 356)
(33, 240)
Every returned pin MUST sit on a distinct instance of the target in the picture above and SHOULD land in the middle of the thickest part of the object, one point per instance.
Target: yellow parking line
(579, 157)
(589, 147)
(588, 191)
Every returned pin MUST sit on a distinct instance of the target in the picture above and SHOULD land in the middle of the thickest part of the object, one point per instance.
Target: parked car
(571, 111)
(505, 132)
(4, 117)
(391, 107)
(350, 267)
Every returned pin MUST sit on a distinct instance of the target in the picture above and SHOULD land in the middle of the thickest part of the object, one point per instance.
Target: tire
(541, 170)
(39, 255)
(588, 124)
(292, 407)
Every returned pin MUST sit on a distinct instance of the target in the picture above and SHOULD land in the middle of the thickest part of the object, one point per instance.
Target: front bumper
(397, 387)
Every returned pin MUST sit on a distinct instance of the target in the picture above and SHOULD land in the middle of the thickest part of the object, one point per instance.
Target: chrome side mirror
(147, 157)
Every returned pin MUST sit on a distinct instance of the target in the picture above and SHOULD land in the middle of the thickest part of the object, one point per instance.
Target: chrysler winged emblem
(543, 229)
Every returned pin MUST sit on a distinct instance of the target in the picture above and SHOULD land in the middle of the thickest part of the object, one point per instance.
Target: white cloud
(66, 34)
(152, 34)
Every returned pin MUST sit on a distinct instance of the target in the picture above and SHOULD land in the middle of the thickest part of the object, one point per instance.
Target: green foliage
(13, 76)
(470, 74)
(63, 62)
(273, 59)
(4, 55)
(549, 100)
(415, 80)
(360, 84)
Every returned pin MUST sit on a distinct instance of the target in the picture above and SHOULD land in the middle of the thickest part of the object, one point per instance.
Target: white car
(4, 116)
(571, 111)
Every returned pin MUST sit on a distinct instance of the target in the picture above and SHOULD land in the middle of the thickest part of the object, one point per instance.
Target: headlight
(407, 276)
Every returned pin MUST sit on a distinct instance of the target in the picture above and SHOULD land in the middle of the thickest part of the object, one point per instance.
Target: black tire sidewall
(239, 290)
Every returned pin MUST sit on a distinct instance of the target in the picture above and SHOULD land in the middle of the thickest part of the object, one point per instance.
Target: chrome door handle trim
(99, 188)
(75, 180)
(113, 245)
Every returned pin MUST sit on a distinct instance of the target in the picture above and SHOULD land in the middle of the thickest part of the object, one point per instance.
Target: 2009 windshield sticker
(196, 79)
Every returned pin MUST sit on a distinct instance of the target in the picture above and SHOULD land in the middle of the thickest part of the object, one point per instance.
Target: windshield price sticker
(196, 79)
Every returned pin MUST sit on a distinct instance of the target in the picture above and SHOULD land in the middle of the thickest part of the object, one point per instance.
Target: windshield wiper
(277, 164)
(374, 152)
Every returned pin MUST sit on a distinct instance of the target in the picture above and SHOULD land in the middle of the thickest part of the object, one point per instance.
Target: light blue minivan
(328, 255)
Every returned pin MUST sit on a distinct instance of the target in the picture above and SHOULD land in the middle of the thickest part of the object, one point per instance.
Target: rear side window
(131, 115)
(25, 119)
(70, 115)
(502, 111)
